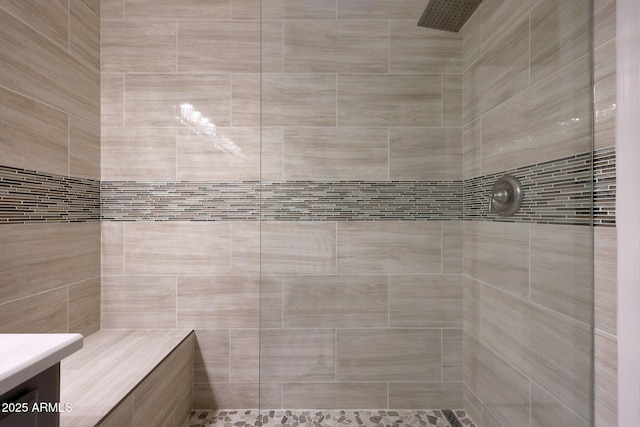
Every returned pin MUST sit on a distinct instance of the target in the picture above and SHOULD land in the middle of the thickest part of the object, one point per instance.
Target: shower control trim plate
(506, 196)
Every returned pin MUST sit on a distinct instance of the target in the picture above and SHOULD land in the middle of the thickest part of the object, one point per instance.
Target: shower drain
(451, 417)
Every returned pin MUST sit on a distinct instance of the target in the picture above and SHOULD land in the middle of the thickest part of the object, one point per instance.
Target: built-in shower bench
(124, 378)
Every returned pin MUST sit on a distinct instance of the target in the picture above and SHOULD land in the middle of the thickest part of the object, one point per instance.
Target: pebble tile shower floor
(328, 418)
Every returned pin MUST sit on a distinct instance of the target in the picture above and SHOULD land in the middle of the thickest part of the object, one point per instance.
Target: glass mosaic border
(28, 196)
(556, 192)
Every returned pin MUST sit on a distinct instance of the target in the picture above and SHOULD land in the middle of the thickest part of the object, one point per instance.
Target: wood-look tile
(185, 10)
(155, 399)
(211, 356)
(336, 46)
(49, 18)
(294, 9)
(472, 39)
(425, 153)
(298, 100)
(415, 394)
(452, 247)
(245, 247)
(111, 9)
(604, 94)
(335, 301)
(84, 149)
(112, 99)
(472, 306)
(335, 395)
(380, 9)
(560, 271)
(336, 153)
(219, 47)
(218, 302)
(498, 254)
(298, 247)
(245, 10)
(122, 415)
(498, 16)
(112, 248)
(159, 99)
(550, 347)
(472, 405)
(605, 379)
(489, 82)
(226, 395)
(34, 135)
(388, 355)
(46, 256)
(244, 355)
(452, 353)
(271, 301)
(84, 307)
(39, 69)
(232, 154)
(138, 46)
(605, 277)
(295, 355)
(472, 149)
(488, 419)
(93, 6)
(389, 248)
(415, 49)
(604, 21)
(547, 410)
(137, 153)
(502, 388)
(272, 155)
(42, 313)
(546, 122)
(452, 100)
(138, 302)
(245, 99)
(425, 301)
(271, 395)
(272, 46)
(84, 32)
(389, 100)
(133, 354)
(183, 409)
(560, 34)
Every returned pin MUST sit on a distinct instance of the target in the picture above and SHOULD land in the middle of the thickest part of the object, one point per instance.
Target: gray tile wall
(357, 127)
(50, 166)
(527, 288)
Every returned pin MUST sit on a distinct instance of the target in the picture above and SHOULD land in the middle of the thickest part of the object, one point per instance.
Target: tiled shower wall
(359, 309)
(527, 296)
(49, 166)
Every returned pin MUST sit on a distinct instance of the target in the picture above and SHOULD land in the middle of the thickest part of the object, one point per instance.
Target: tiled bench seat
(129, 378)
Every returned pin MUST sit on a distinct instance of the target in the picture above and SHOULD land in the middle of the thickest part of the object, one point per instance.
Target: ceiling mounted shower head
(448, 15)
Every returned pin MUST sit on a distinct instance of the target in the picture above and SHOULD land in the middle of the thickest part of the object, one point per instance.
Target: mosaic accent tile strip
(327, 418)
(28, 196)
(604, 188)
(361, 201)
(179, 201)
(555, 192)
(281, 201)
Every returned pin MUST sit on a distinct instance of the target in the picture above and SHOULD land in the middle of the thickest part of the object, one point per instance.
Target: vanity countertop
(23, 356)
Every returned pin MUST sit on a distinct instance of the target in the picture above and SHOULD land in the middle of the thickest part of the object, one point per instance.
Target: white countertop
(23, 356)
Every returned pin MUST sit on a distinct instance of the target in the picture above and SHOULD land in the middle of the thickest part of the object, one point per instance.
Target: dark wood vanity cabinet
(35, 402)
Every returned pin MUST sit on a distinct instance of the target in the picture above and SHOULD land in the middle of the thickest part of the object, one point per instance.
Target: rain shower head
(448, 15)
